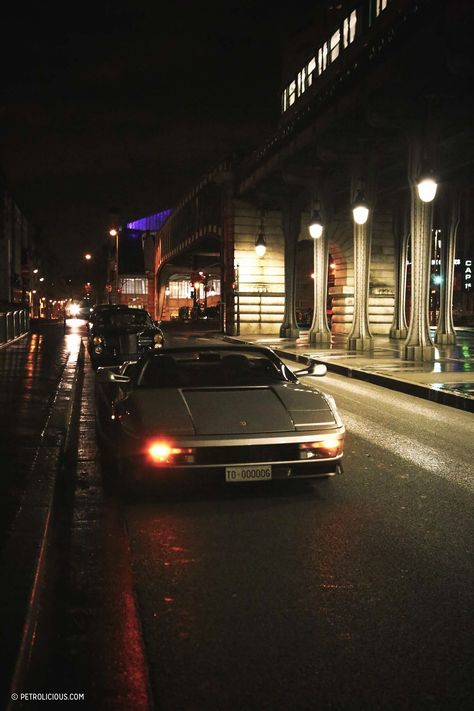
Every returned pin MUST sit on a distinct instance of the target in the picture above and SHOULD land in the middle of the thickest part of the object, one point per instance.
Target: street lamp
(113, 232)
(260, 245)
(315, 224)
(427, 187)
(88, 257)
(260, 242)
(360, 208)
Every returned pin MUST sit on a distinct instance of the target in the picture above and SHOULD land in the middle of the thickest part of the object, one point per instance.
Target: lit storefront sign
(468, 274)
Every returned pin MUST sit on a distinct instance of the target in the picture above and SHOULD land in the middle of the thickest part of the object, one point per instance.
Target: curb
(25, 558)
(408, 388)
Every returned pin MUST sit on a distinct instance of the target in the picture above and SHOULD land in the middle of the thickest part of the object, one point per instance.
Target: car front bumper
(280, 471)
(284, 457)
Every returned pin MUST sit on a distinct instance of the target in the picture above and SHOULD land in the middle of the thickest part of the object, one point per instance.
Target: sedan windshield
(210, 370)
(124, 318)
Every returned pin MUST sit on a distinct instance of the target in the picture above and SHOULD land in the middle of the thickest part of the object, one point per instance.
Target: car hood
(120, 330)
(227, 411)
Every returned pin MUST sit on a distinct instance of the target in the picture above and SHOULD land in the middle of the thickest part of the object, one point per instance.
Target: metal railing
(14, 322)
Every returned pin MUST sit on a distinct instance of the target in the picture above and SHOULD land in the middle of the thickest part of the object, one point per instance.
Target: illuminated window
(292, 93)
(310, 69)
(334, 45)
(284, 100)
(180, 289)
(301, 81)
(322, 58)
(134, 285)
(349, 28)
(380, 6)
(214, 287)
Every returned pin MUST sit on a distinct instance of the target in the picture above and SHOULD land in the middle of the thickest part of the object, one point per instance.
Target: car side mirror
(313, 368)
(105, 375)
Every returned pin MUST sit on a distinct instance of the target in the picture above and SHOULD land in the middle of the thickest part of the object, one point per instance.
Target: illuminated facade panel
(134, 285)
(343, 36)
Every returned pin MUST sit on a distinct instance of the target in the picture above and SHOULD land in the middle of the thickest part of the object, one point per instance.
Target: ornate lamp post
(419, 345)
(113, 232)
(360, 337)
(319, 330)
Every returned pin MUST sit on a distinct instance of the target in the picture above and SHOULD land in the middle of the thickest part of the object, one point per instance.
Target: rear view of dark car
(120, 333)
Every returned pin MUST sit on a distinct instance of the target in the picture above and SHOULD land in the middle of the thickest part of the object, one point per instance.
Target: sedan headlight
(97, 340)
(158, 340)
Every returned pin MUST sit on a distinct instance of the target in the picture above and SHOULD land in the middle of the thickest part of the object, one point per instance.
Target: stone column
(360, 337)
(399, 327)
(419, 345)
(319, 331)
(291, 224)
(445, 333)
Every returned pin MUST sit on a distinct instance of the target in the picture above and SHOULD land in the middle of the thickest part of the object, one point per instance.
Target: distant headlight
(98, 350)
(97, 340)
(158, 338)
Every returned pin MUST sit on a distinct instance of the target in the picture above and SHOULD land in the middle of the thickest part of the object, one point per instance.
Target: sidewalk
(38, 381)
(449, 380)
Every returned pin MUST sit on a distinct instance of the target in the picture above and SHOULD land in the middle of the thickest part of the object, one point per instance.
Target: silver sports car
(233, 411)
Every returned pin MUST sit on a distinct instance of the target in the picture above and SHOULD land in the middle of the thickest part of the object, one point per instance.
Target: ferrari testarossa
(235, 412)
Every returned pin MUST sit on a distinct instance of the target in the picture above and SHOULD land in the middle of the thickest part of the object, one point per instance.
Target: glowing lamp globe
(361, 214)
(260, 245)
(427, 189)
(316, 225)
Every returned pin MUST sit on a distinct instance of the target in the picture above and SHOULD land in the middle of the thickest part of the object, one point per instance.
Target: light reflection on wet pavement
(30, 370)
(452, 369)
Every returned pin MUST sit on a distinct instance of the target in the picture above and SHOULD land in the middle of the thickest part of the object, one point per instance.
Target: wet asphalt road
(351, 593)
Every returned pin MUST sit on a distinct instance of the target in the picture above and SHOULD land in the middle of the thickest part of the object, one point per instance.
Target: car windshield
(211, 369)
(124, 318)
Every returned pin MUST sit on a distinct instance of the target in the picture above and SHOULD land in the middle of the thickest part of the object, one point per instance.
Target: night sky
(126, 103)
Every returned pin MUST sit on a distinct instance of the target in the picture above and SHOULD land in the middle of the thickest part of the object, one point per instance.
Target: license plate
(237, 474)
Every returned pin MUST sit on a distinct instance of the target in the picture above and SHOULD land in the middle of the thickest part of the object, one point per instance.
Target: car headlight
(97, 340)
(163, 452)
(158, 340)
(330, 446)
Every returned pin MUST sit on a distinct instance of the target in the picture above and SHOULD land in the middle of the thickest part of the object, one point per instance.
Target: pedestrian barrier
(14, 322)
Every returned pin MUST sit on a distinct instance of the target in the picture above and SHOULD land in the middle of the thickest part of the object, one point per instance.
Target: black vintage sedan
(235, 412)
(119, 333)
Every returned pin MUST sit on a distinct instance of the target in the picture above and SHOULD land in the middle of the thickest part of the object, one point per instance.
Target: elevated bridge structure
(375, 97)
